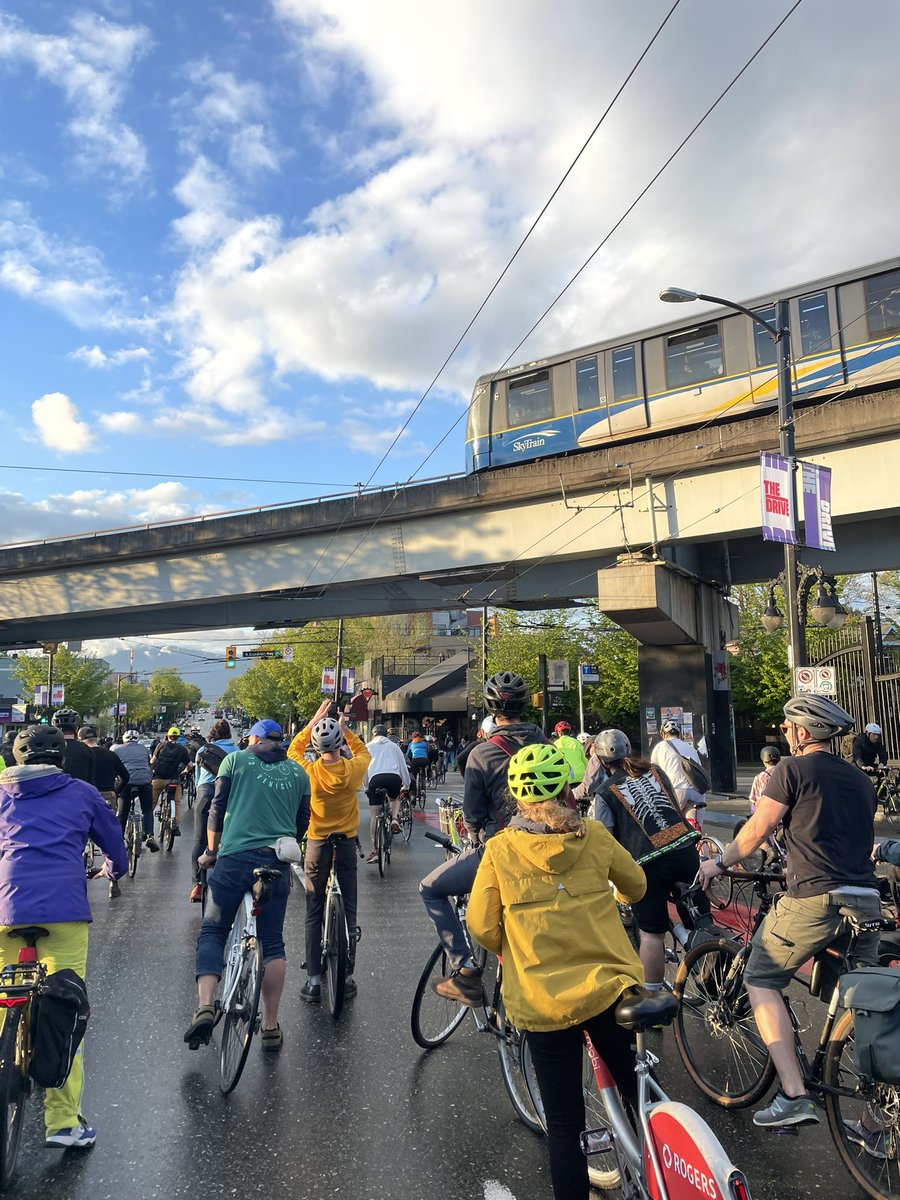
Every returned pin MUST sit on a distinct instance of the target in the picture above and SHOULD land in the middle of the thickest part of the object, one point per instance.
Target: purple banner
(777, 492)
(817, 506)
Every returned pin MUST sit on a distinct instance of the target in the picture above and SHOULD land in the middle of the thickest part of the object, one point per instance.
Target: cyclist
(79, 760)
(487, 807)
(640, 809)
(542, 900)
(259, 797)
(387, 772)
(167, 764)
(135, 757)
(417, 757)
(109, 770)
(572, 751)
(770, 757)
(45, 819)
(334, 808)
(869, 751)
(485, 730)
(827, 809)
(209, 758)
(667, 754)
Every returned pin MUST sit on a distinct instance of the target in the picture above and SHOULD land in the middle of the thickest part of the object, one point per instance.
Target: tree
(86, 679)
(169, 690)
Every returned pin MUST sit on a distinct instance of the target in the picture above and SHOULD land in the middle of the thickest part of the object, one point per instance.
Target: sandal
(200, 1029)
(272, 1039)
(372, 856)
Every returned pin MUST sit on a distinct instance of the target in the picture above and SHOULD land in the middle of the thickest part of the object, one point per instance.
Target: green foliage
(86, 679)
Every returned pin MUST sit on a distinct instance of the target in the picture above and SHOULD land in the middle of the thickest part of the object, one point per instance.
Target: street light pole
(780, 333)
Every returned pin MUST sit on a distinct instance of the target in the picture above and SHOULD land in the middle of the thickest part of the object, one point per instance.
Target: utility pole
(50, 648)
(340, 655)
(545, 695)
(796, 635)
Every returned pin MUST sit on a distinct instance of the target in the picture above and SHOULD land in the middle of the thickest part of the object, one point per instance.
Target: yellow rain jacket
(543, 902)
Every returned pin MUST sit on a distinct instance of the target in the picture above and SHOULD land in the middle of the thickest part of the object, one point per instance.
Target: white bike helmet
(131, 735)
(327, 735)
(873, 728)
(488, 725)
(584, 738)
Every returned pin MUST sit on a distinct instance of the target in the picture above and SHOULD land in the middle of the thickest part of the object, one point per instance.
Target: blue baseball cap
(266, 729)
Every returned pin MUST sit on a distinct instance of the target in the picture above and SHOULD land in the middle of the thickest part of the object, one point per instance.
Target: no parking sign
(822, 681)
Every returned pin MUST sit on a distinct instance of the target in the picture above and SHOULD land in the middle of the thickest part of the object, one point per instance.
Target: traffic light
(493, 626)
(230, 657)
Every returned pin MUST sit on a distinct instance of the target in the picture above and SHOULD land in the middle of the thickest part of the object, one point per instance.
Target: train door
(818, 362)
(625, 386)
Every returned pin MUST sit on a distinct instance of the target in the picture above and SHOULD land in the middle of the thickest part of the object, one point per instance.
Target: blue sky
(239, 239)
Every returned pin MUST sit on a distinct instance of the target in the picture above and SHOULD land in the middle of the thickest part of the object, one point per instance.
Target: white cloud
(97, 359)
(91, 65)
(58, 424)
(219, 108)
(121, 422)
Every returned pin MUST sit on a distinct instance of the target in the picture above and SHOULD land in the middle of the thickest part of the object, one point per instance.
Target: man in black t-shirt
(79, 759)
(167, 764)
(827, 808)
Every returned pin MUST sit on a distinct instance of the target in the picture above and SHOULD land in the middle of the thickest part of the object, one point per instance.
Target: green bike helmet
(536, 773)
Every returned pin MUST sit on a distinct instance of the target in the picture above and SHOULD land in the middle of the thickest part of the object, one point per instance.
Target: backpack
(873, 993)
(211, 758)
(168, 761)
(696, 774)
(58, 1022)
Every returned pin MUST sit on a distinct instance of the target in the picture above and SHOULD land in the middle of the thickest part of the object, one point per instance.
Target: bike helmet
(584, 738)
(66, 718)
(873, 728)
(769, 756)
(822, 718)
(327, 735)
(173, 731)
(505, 693)
(379, 731)
(670, 727)
(612, 745)
(537, 772)
(488, 725)
(40, 744)
(562, 727)
(131, 735)
(86, 732)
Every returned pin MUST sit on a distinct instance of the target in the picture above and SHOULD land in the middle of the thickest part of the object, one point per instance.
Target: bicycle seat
(28, 933)
(639, 1011)
(266, 874)
(872, 925)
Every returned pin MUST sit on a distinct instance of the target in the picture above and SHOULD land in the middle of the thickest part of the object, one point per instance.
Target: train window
(624, 370)
(530, 398)
(815, 327)
(695, 355)
(587, 383)
(883, 304)
(763, 344)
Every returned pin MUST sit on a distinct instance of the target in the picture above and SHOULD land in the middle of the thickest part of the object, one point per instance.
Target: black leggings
(557, 1056)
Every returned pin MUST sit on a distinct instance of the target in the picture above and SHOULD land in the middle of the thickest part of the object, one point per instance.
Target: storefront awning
(440, 689)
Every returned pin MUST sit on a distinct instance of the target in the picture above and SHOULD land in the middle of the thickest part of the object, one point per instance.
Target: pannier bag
(59, 1018)
(873, 994)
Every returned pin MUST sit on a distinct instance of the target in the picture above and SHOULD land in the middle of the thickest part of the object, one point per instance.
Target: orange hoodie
(334, 807)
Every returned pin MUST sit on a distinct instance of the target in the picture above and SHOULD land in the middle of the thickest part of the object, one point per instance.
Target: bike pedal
(596, 1141)
(788, 1130)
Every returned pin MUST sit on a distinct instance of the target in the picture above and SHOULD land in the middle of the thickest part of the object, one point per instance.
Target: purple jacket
(46, 817)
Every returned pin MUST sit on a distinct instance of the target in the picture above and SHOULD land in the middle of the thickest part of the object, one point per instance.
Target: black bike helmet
(769, 756)
(66, 718)
(85, 732)
(505, 694)
(822, 718)
(39, 744)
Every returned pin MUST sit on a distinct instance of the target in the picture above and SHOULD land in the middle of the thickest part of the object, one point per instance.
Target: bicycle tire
(334, 954)
(715, 1031)
(379, 845)
(891, 806)
(133, 846)
(239, 1022)
(433, 1018)
(13, 1096)
(721, 889)
(406, 818)
(878, 1178)
(509, 1045)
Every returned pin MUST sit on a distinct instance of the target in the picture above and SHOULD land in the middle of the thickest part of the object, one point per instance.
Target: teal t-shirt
(262, 803)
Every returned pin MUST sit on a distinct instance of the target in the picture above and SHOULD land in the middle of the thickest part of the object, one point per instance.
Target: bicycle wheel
(406, 818)
(891, 805)
(721, 889)
(191, 792)
(132, 845)
(13, 1096)
(852, 1109)
(715, 1031)
(334, 953)
(239, 1020)
(433, 1017)
(379, 845)
(511, 1052)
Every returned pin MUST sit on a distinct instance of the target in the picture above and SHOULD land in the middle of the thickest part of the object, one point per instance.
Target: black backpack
(211, 758)
(168, 761)
(696, 774)
(58, 1022)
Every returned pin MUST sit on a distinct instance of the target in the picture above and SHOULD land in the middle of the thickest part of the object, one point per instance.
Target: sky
(240, 239)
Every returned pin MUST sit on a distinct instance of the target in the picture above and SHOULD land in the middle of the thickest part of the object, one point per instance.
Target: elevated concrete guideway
(528, 536)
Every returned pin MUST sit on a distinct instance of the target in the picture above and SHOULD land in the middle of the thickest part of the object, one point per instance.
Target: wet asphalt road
(348, 1109)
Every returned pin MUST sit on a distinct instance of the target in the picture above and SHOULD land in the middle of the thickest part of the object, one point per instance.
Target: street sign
(58, 694)
(260, 654)
(287, 654)
(590, 674)
(558, 675)
(123, 708)
(819, 681)
(41, 694)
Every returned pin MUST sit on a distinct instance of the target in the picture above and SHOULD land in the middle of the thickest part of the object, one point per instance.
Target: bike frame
(245, 921)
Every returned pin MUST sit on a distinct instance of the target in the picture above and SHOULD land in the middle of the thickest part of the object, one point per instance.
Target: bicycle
(887, 794)
(417, 787)
(383, 833)
(238, 1009)
(721, 891)
(452, 823)
(440, 772)
(189, 787)
(166, 815)
(335, 934)
(404, 816)
(670, 1145)
(434, 1018)
(134, 834)
(726, 1058)
(20, 983)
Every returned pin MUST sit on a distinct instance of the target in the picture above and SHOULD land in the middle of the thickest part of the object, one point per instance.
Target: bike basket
(59, 1019)
(873, 995)
(451, 821)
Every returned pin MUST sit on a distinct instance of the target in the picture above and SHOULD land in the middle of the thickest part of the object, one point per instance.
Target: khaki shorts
(799, 927)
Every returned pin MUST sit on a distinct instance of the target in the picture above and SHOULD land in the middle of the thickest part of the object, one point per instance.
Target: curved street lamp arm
(772, 331)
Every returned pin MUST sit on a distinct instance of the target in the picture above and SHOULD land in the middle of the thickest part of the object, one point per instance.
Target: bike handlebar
(442, 840)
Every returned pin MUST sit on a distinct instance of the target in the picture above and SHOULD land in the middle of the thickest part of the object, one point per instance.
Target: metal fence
(868, 680)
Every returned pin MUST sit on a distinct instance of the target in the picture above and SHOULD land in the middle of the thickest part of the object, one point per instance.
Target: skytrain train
(845, 333)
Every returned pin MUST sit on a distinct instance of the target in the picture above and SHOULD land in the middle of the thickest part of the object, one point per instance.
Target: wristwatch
(717, 859)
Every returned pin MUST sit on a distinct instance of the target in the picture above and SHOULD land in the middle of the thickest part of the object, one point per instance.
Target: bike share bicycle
(726, 1058)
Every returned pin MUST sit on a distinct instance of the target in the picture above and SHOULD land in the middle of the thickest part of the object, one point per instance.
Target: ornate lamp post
(826, 609)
